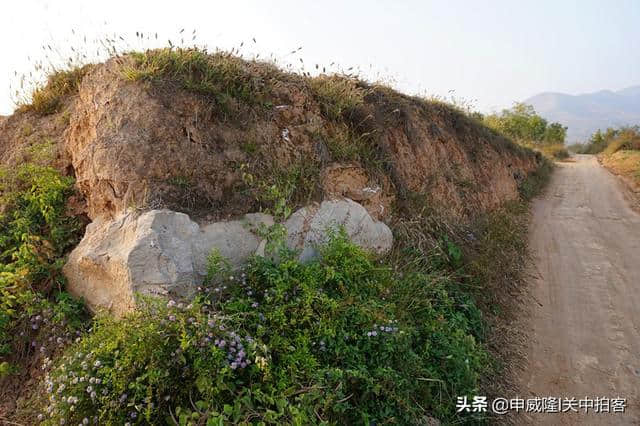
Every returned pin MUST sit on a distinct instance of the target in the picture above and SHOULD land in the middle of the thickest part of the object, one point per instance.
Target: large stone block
(308, 227)
(164, 253)
(160, 252)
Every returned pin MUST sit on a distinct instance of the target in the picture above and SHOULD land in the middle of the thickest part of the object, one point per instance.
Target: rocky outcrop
(164, 253)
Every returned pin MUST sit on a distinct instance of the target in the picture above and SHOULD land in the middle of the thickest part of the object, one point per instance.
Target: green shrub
(522, 124)
(35, 233)
(613, 140)
(278, 190)
(340, 340)
(577, 148)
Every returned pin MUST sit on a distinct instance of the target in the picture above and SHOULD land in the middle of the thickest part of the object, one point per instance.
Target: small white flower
(285, 135)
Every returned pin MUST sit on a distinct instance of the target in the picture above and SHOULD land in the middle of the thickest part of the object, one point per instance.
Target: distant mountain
(586, 113)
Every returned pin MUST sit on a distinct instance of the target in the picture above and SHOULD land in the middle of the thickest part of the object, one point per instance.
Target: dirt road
(586, 315)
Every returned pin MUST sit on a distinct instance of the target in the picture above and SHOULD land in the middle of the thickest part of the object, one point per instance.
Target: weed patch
(278, 190)
(338, 95)
(557, 152)
(536, 181)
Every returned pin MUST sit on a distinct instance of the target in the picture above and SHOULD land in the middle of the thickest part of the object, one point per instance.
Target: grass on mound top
(47, 99)
(219, 76)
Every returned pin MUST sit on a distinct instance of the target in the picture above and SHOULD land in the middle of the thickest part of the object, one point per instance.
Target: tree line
(610, 141)
(522, 124)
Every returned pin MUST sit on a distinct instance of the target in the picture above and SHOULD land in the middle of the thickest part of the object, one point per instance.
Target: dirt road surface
(586, 294)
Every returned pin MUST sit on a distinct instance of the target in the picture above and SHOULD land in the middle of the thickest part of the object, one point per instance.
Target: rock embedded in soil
(310, 226)
(160, 252)
(164, 253)
(352, 181)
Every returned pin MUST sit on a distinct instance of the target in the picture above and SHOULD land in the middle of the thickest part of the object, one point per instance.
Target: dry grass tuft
(338, 95)
(48, 99)
(218, 76)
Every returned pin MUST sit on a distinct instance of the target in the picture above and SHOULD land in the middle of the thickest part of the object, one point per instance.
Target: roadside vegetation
(340, 340)
(618, 149)
(344, 339)
(611, 141)
(524, 126)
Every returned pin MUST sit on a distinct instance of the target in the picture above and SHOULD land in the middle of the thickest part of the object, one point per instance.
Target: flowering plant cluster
(138, 369)
(281, 342)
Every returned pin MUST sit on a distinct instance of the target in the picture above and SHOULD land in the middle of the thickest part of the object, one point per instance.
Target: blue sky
(489, 52)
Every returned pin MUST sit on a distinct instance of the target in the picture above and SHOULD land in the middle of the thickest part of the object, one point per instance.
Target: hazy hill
(585, 113)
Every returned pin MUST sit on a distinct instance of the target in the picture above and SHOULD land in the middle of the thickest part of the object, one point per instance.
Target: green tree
(522, 123)
(555, 133)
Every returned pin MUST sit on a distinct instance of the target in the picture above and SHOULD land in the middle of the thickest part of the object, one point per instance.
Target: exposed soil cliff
(142, 140)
